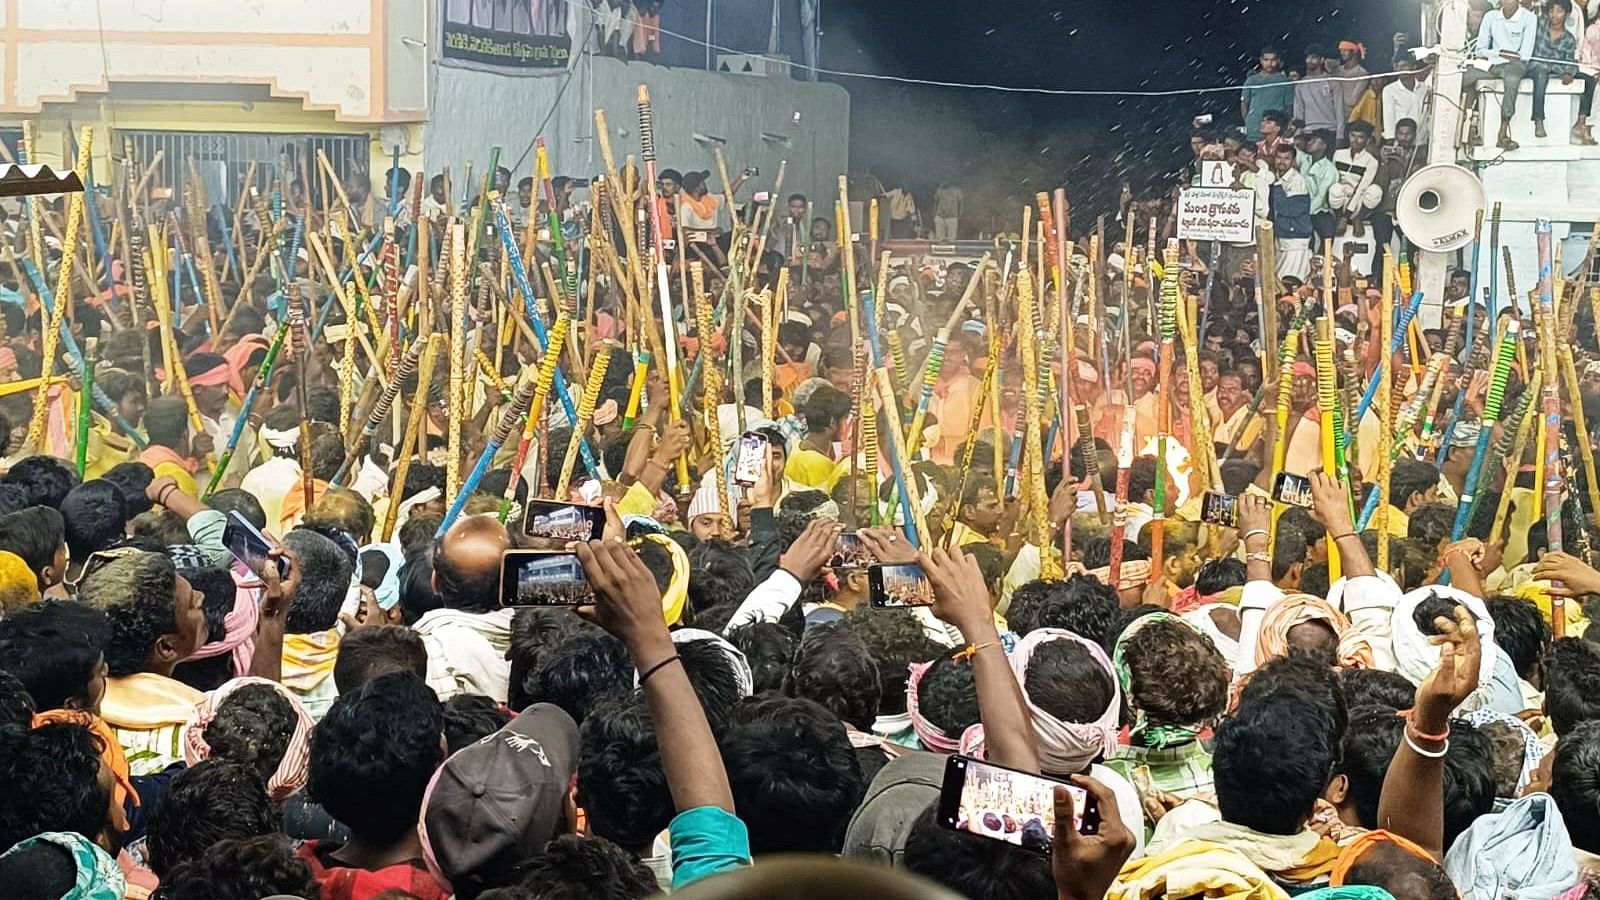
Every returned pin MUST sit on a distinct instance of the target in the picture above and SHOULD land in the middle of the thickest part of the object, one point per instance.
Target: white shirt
(1401, 102)
(1515, 34)
(467, 651)
(270, 483)
(244, 453)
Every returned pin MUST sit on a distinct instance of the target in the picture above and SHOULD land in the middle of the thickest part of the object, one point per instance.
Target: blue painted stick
(1406, 315)
(887, 434)
(520, 273)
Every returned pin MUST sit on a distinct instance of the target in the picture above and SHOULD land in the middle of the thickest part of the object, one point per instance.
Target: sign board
(1208, 214)
(521, 34)
(1214, 173)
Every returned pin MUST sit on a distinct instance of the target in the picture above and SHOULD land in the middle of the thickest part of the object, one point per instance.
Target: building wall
(1547, 178)
(331, 55)
(474, 110)
(285, 66)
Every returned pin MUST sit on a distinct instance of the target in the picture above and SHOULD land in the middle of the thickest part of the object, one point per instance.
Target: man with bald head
(468, 637)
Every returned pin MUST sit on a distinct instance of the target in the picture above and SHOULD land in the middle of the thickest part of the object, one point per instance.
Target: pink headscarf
(932, 737)
(292, 770)
(224, 374)
(238, 356)
(1068, 747)
(239, 626)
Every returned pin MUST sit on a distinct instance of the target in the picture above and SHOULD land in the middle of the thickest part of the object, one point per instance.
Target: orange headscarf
(1352, 852)
(110, 752)
(1297, 609)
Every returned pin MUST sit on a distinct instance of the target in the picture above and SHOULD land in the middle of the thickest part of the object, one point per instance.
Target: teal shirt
(1320, 175)
(706, 841)
(1262, 94)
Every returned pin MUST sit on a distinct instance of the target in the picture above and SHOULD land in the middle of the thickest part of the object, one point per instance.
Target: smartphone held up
(543, 578)
(249, 546)
(752, 456)
(899, 585)
(563, 522)
(1007, 805)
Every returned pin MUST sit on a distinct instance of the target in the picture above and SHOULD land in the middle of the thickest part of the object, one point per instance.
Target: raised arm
(962, 599)
(1412, 802)
(628, 604)
(1331, 507)
(276, 595)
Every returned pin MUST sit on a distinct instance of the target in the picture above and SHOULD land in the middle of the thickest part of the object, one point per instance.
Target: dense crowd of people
(1296, 697)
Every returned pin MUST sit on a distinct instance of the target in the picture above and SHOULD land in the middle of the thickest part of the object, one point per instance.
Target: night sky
(1003, 147)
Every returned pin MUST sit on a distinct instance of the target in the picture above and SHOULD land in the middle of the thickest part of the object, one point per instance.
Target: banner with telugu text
(517, 34)
(1211, 214)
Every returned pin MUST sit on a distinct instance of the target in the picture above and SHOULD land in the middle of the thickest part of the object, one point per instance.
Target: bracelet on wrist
(1411, 724)
(972, 650)
(1429, 754)
(1341, 536)
(1258, 557)
(645, 676)
(1253, 532)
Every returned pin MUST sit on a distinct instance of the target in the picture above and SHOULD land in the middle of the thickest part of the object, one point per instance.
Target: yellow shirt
(812, 470)
(165, 461)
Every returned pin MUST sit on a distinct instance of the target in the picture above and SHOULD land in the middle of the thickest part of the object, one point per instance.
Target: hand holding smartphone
(543, 578)
(1219, 509)
(249, 546)
(563, 522)
(752, 457)
(898, 586)
(850, 553)
(1017, 808)
(1292, 489)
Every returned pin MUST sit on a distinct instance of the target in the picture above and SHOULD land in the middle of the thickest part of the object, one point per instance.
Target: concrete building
(1544, 178)
(231, 82)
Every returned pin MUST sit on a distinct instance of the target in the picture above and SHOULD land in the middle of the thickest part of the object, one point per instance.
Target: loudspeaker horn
(1437, 206)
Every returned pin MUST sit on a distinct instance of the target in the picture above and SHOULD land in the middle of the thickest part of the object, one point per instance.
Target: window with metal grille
(223, 158)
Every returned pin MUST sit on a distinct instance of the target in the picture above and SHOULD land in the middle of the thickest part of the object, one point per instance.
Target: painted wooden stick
(546, 375)
(1384, 378)
(85, 404)
(299, 321)
(969, 451)
(1168, 327)
(416, 416)
(380, 411)
(63, 291)
(1499, 375)
(1553, 481)
(866, 418)
(1513, 461)
(458, 357)
(1327, 399)
(591, 393)
(659, 225)
(910, 498)
(519, 274)
(1569, 371)
(1494, 280)
(510, 418)
(262, 380)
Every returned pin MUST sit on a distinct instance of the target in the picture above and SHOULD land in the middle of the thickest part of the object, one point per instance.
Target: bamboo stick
(1385, 404)
(458, 351)
(63, 292)
(416, 414)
